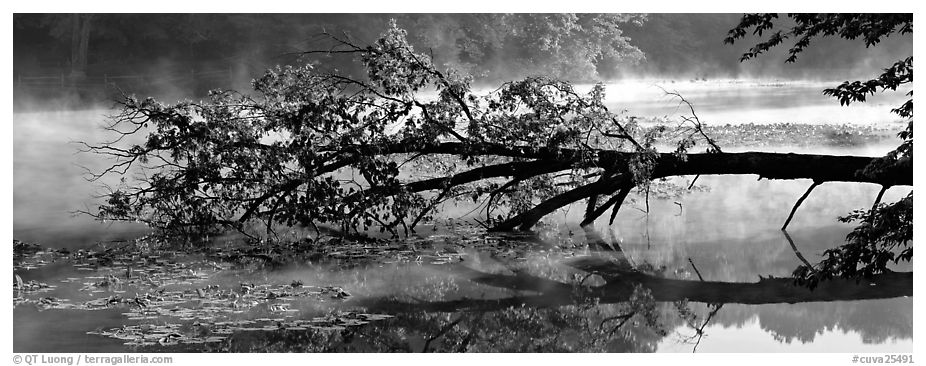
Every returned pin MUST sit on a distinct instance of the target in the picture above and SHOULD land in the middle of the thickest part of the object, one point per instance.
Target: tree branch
(798, 204)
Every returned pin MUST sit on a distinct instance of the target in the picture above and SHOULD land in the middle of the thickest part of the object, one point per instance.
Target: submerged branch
(616, 201)
(798, 204)
(796, 251)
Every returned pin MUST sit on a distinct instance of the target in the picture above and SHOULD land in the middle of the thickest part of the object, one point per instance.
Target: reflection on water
(857, 326)
(728, 231)
(467, 306)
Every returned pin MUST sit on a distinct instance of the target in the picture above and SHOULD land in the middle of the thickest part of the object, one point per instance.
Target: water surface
(727, 229)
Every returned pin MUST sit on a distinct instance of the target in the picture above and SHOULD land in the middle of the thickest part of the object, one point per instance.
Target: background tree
(885, 231)
(492, 47)
(686, 46)
(561, 45)
(80, 39)
(576, 47)
(74, 29)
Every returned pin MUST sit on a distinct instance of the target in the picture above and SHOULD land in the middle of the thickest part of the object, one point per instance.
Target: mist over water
(50, 177)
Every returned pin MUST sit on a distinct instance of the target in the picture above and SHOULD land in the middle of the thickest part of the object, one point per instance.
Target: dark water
(729, 231)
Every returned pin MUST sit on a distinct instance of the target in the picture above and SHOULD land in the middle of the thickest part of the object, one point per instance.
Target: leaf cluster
(383, 151)
(884, 236)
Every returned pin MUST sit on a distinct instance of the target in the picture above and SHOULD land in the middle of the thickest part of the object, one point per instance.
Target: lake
(420, 295)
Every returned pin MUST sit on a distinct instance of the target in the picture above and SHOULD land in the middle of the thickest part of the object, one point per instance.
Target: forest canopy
(494, 47)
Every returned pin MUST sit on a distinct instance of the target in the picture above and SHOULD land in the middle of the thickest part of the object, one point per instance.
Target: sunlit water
(729, 230)
(748, 101)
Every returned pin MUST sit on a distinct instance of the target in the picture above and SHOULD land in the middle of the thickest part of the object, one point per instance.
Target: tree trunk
(620, 288)
(529, 218)
(822, 168)
(80, 42)
(766, 291)
(545, 160)
(617, 200)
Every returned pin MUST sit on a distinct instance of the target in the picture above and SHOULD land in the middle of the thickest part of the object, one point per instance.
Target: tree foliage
(488, 46)
(885, 231)
(505, 46)
(315, 147)
(884, 236)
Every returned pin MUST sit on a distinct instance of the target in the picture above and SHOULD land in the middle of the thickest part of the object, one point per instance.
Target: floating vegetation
(216, 331)
(435, 249)
(41, 303)
(20, 247)
(29, 287)
(335, 292)
(148, 271)
(795, 134)
(205, 302)
(149, 335)
(21, 288)
(28, 256)
(171, 298)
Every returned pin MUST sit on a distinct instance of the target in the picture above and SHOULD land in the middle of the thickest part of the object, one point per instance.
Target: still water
(728, 231)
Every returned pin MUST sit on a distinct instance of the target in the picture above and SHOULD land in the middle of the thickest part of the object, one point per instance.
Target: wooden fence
(64, 80)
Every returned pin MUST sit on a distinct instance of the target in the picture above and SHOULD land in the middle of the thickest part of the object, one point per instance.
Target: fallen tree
(380, 152)
(386, 150)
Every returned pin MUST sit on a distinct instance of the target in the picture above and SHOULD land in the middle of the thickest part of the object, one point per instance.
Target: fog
(175, 56)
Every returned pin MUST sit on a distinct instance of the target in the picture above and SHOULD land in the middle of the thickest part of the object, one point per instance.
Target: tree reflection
(627, 327)
(632, 308)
